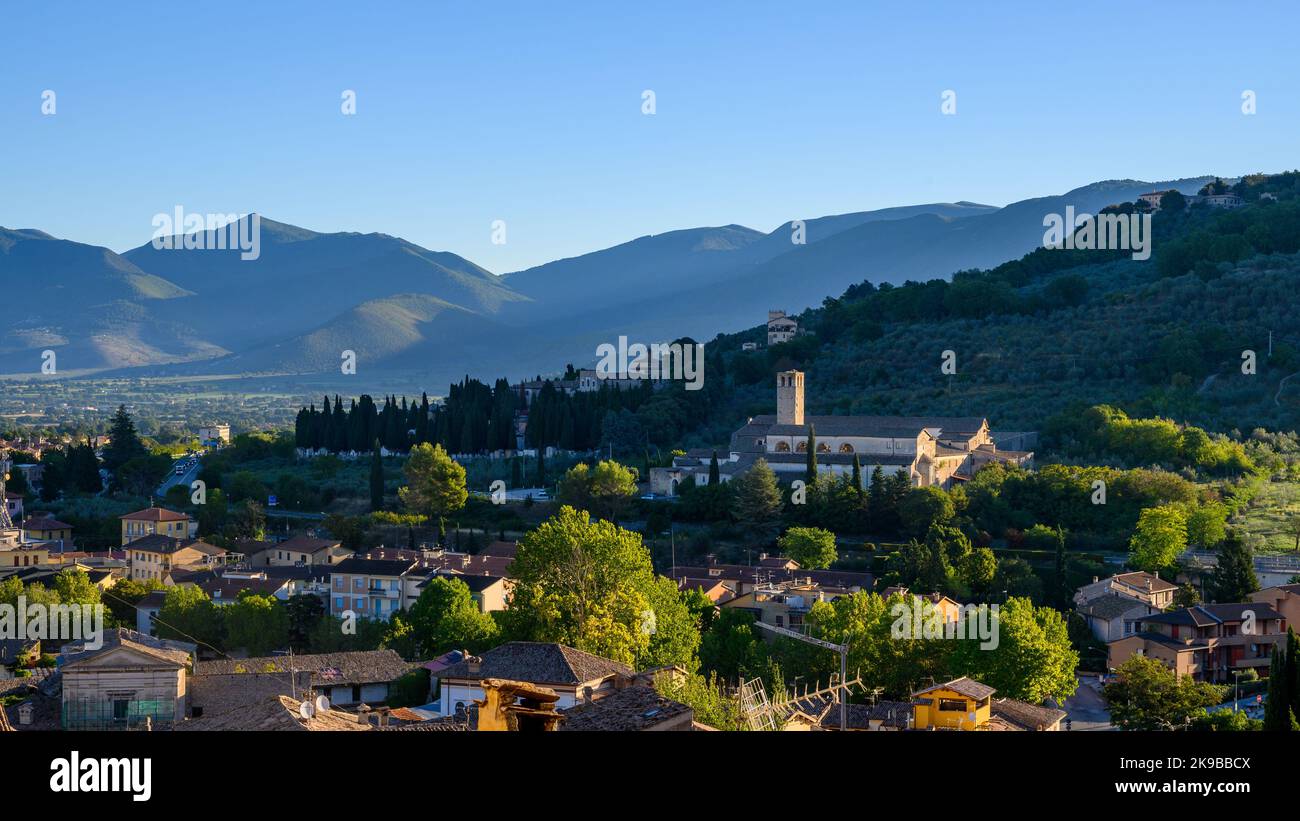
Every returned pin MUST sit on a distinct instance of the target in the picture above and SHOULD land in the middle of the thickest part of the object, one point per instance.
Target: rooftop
(635, 708)
(538, 663)
(968, 687)
(156, 514)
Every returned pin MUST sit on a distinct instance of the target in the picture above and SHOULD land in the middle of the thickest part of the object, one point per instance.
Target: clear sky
(531, 112)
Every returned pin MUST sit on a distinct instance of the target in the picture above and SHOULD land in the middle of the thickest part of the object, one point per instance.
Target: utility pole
(842, 649)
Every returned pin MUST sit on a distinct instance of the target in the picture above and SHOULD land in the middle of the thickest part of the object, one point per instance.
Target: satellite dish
(322, 704)
(307, 710)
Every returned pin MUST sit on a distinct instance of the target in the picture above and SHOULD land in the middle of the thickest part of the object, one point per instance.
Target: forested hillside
(1059, 329)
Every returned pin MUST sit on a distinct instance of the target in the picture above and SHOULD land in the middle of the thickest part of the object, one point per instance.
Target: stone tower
(789, 398)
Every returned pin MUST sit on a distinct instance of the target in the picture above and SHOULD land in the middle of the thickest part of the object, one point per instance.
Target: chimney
(789, 398)
(475, 664)
(1095, 579)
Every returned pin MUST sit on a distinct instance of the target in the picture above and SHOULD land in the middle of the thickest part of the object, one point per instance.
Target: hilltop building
(930, 450)
(780, 328)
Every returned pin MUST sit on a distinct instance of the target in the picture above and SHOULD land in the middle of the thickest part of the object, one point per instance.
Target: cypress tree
(857, 473)
(541, 468)
(124, 444)
(1292, 670)
(516, 473)
(376, 480)
(1277, 712)
(810, 475)
(714, 473)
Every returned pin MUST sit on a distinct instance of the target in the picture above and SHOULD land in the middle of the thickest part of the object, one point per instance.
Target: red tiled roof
(156, 514)
(44, 523)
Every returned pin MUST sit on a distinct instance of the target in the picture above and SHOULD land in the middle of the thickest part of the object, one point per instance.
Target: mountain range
(435, 316)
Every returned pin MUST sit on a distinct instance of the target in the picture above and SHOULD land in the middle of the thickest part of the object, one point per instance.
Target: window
(952, 705)
(782, 447)
(801, 447)
(822, 447)
(846, 448)
(121, 709)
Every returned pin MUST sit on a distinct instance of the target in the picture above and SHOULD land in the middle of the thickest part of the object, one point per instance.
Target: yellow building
(42, 527)
(961, 704)
(156, 521)
(25, 556)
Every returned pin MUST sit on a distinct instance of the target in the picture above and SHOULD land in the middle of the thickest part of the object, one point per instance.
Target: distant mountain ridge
(401, 307)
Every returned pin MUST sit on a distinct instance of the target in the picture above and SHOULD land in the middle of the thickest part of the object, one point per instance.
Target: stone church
(931, 450)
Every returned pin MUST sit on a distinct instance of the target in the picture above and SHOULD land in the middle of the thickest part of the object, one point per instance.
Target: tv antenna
(842, 649)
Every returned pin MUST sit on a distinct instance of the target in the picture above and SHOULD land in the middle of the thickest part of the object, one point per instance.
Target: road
(173, 479)
(1086, 708)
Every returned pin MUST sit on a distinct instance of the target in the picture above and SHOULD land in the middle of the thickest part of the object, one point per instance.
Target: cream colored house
(132, 681)
(155, 557)
(1147, 588)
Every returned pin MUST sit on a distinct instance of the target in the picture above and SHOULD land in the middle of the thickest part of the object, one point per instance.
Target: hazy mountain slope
(680, 260)
(415, 331)
(611, 276)
(302, 277)
(920, 247)
(90, 306)
(815, 230)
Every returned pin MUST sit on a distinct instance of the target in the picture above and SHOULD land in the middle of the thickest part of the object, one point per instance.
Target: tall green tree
(1147, 695)
(715, 475)
(435, 483)
(1160, 537)
(1031, 658)
(810, 471)
(258, 624)
(757, 502)
(812, 547)
(446, 617)
(376, 479)
(590, 584)
(124, 442)
(1233, 578)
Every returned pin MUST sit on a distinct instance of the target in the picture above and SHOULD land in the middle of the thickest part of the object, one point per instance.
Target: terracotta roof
(1139, 579)
(275, 713)
(373, 567)
(635, 708)
(306, 544)
(480, 564)
(1204, 615)
(537, 663)
(445, 724)
(228, 588)
(158, 543)
(172, 652)
(44, 523)
(1110, 606)
(476, 584)
(745, 573)
(1026, 715)
(156, 514)
(968, 687)
(507, 549)
(873, 426)
(327, 669)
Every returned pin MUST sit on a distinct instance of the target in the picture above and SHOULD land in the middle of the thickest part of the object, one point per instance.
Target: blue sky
(469, 113)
